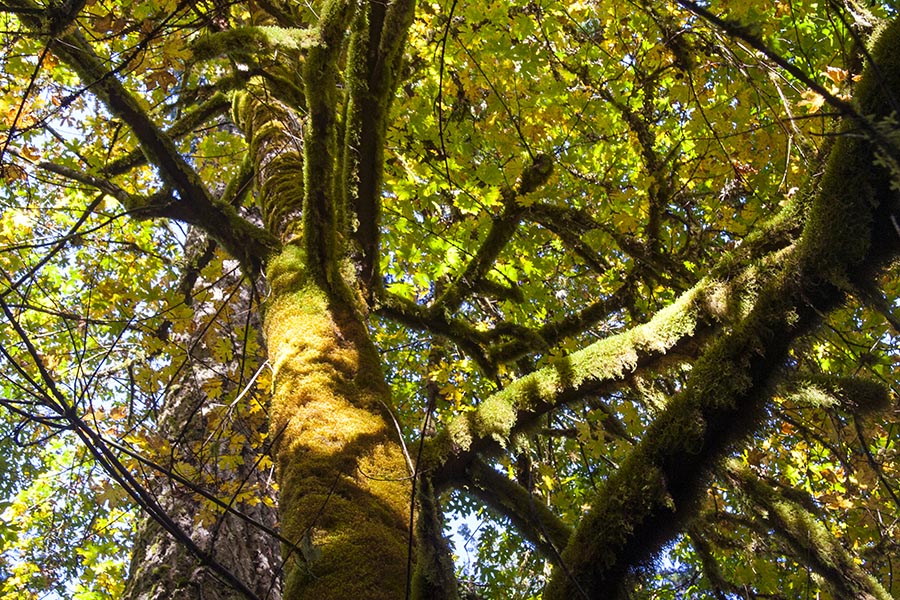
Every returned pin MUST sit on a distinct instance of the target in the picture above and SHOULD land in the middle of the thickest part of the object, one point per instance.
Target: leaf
(812, 101)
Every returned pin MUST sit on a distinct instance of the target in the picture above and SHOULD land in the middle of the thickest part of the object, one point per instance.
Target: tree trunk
(161, 566)
(344, 482)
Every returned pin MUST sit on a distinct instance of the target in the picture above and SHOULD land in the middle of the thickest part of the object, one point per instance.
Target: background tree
(617, 280)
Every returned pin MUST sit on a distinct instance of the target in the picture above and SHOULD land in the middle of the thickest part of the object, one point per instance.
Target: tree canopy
(291, 290)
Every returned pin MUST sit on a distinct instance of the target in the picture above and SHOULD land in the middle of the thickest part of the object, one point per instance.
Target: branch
(433, 578)
(537, 523)
(469, 339)
(502, 230)
(141, 207)
(246, 242)
(730, 288)
(46, 387)
(572, 324)
(215, 105)
(594, 370)
(848, 236)
(813, 543)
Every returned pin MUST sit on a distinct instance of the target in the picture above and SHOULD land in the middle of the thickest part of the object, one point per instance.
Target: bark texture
(161, 567)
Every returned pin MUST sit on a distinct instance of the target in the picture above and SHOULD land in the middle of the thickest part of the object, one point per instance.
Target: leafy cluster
(627, 270)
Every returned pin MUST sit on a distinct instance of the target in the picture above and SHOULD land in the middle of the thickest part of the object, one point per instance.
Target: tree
(621, 280)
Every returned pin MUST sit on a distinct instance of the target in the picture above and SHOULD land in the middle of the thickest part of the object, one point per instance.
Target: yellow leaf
(835, 74)
(11, 173)
(30, 152)
(812, 101)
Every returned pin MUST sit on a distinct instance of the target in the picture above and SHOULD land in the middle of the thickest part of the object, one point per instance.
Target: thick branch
(319, 150)
(848, 235)
(593, 370)
(376, 51)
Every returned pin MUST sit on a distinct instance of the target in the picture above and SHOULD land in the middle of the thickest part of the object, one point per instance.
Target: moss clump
(856, 395)
(249, 42)
(495, 418)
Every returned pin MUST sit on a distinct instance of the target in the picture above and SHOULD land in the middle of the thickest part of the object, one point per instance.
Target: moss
(658, 487)
(248, 42)
(460, 436)
(495, 418)
(286, 271)
(343, 479)
(608, 359)
(320, 207)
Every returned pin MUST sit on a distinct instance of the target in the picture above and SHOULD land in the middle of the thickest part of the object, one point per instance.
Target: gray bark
(161, 567)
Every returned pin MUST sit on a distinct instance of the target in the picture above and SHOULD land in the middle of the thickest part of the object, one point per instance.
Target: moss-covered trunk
(344, 482)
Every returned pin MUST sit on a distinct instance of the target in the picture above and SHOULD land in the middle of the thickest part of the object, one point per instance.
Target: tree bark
(161, 566)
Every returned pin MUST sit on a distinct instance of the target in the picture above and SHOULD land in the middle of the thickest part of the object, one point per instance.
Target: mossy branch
(374, 59)
(320, 76)
(249, 42)
(433, 577)
(274, 134)
(212, 107)
(856, 395)
(813, 543)
(528, 514)
(594, 370)
(658, 487)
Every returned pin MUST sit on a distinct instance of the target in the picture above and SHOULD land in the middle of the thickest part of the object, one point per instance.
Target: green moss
(286, 271)
(344, 483)
(495, 418)
(606, 360)
(460, 436)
